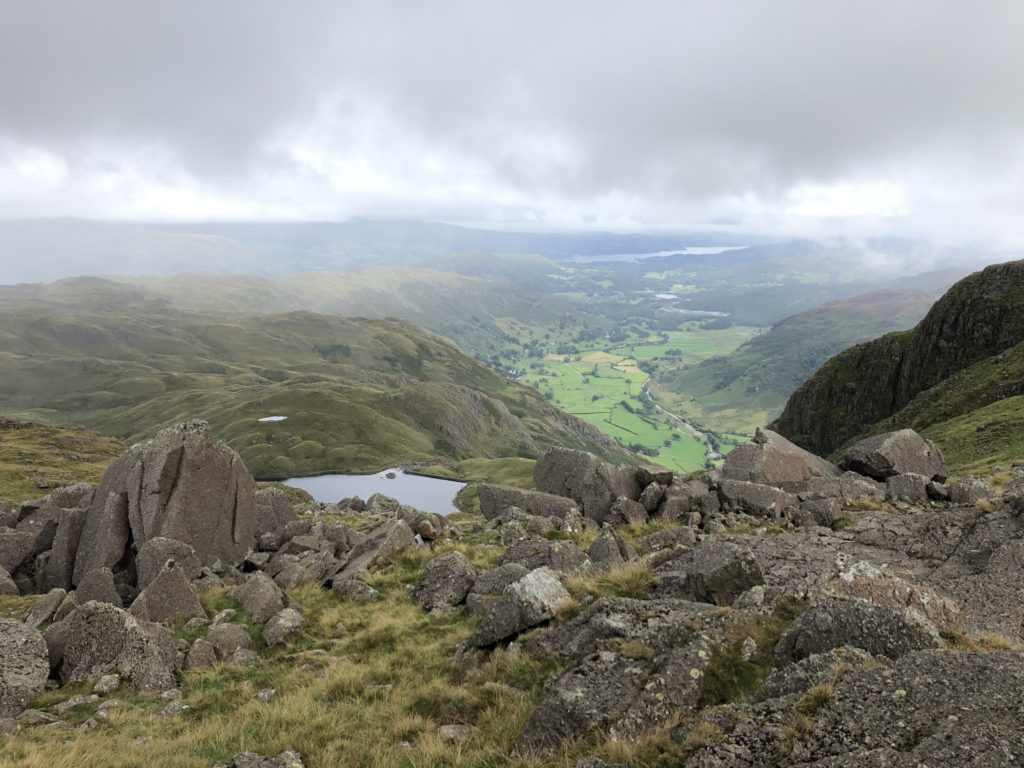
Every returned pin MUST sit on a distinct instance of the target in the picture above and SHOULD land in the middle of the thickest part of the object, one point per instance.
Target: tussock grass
(983, 642)
(633, 580)
(818, 697)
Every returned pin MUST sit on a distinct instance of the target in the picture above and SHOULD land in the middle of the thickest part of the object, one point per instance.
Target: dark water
(427, 493)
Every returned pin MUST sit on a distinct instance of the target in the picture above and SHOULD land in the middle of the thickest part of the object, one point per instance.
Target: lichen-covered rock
(896, 453)
(287, 759)
(610, 551)
(153, 557)
(590, 482)
(7, 585)
(271, 510)
(386, 539)
(45, 607)
(715, 572)
(865, 581)
(99, 585)
(756, 499)
(167, 597)
(909, 487)
(101, 638)
(24, 666)
(652, 496)
(495, 499)
(354, 589)
(669, 538)
(560, 556)
(225, 639)
(489, 585)
(771, 459)
(626, 511)
(445, 582)
(970, 490)
(283, 627)
(879, 630)
(532, 600)
(259, 595)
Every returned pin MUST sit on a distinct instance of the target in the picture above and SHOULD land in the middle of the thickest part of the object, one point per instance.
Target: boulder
(489, 585)
(627, 512)
(669, 538)
(283, 626)
(259, 595)
(609, 551)
(532, 600)
(865, 581)
(24, 666)
(201, 654)
(877, 629)
(271, 510)
(716, 572)
(771, 459)
(60, 566)
(287, 759)
(445, 582)
(824, 512)
(653, 474)
(15, 548)
(590, 482)
(652, 496)
(560, 556)
(7, 585)
(100, 639)
(386, 539)
(896, 453)
(45, 607)
(380, 505)
(909, 487)
(354, 589)
(429, 525)
(180, 485)
(970, 490)
(168, 596)
(153, 557)
(226, 639)
(99, 585)
(756, 499)
(495, 499)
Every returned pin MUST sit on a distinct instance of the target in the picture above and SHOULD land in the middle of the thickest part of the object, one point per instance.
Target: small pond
(427, 493)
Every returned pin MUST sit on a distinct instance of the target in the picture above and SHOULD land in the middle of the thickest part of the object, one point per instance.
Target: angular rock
(154, 554)
(592, 483)
(770, 459)
(100, 639)
(271, 510)
(201, 654)
(653, 474)
(652, 496)
(379, 504)
(609, 551)
(24, 666)
(680, 500)
(757, 500)
(824, 512)
(970, 490)
(16, 547)
(60, 566)
(259, 595)
(388, 538)
(896, 453)
(495, 499)
(445, 582)
(489, 585)
(910, 487)
(627, 512)
(225, 639)
(283, 626)
(937, 491)
(98, 585)
(45, 607)
(865, 581)
(879, 630)
(7, 585)
(167, 597)
(716, 572)
(669, 538)
(532, 600)
(560, 556)
(354, 589)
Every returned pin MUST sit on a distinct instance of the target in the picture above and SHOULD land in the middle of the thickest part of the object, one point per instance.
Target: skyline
(795, 118)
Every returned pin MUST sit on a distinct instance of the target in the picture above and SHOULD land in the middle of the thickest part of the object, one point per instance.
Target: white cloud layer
(901, 117)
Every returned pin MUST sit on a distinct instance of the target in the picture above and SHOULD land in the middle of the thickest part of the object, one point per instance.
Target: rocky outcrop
(582, 477)
(771, 459)
(445, 582)
(24, 666)
(496, 499)
(530, 601)
(717, 572)
(896, 453)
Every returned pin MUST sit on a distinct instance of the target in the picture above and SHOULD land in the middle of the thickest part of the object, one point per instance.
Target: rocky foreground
(780, 611)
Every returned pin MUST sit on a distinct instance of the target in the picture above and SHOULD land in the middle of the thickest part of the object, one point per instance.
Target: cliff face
(981, 316)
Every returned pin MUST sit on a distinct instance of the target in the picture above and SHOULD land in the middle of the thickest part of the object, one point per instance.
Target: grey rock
(98, 585)
(653, 474)
(154, 554)
(60, 566)
(225, 616)
(756, 499)
(970, 490)
(16, 547)
(445, 582)
(669, 538)
(495, 499)
(896, 453)
(7, 585)
(909, 487)
(456, 732)
(386, 539)
(259, 595)
(626, 511)
(37, 717)
(107, 684)
(879, 630)
(45, 607)
(715, 572)
(228, 638)
(201, 654)
(24, 666)
(590, 482)
(169, 596)
(101, 639)
(610, 551)
(561, 556)
(532, 600)
(271, 510)
(243, 657)
(770, 459)
(489, 585)
(652, 496)
(380, 505)
(824, 512)
(283, 626)
(937, 491)
(354, 589)
(287, 759)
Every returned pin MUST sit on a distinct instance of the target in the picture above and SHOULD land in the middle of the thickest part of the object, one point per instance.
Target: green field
(604, 385)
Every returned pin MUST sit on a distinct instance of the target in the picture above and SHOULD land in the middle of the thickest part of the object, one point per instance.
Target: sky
(808, 118)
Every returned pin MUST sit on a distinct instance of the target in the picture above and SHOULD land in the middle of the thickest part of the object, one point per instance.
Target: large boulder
(180, 485)
(879, 630)
(60, 566)
(168, 596)
(259, 595)
(154, 555)
(445, 582)
(771, 459)
(560, 556)
(100, 639)
(532, 600)
(716, 572)
(24, 666)
(386, 539)
(590, 482)
(283, 627)
(272, 510)
(495, 499)
(757, 499)
(896, 453)
(489, 586)
(610, 551)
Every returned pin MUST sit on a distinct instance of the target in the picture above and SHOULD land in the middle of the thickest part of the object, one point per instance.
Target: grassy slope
(31, 454)
(358, 394)
(748, 387)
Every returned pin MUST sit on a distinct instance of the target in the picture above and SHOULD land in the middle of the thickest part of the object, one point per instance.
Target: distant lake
(694, 250)
(427, 493)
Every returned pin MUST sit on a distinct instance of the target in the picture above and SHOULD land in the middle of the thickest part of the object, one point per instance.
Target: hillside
(748, 387)
(963, 356)
(358, 394)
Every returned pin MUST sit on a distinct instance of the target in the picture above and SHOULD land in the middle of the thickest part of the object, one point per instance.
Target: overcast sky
(805, 117)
